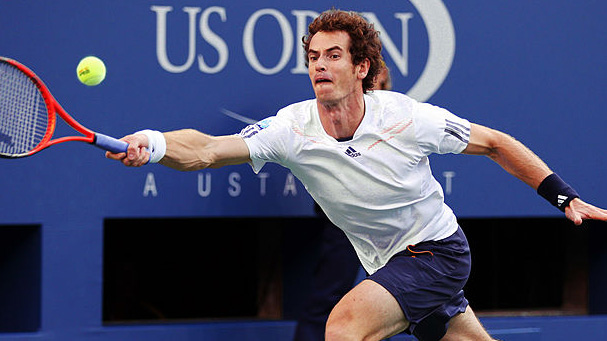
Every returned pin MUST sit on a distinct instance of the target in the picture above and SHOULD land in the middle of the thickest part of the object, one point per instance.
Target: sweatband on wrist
(157, 144)
(557, 191)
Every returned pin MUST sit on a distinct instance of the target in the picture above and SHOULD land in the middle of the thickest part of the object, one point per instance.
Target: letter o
(287, 41)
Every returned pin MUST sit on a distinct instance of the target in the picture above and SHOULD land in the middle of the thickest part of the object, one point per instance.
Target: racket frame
(53, 109)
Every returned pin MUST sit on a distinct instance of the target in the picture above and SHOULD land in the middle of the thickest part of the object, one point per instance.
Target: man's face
(331, 71)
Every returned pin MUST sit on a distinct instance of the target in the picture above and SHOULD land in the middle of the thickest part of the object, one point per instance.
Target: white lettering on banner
(161, 51)
(442, 48)
(438, 23)
(449, 175)
(234, 181)
(213, 40)
(400, 59)
(150, 186)
(303, 20)
(234, 186)
(204, 191)
(205, 31)
(262, 183)
(290, 187)
(287, 41)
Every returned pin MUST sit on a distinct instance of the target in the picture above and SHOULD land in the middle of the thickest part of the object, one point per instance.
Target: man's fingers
(578, 211)
(136, 154)
(113, 156)
(140, 158)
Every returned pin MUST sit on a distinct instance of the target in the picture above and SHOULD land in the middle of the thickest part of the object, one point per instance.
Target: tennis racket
(28, 115)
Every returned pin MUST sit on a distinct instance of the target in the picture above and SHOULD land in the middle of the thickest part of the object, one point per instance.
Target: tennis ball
(91, 71)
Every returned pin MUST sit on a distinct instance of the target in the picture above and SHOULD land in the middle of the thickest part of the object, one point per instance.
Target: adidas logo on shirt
(351, 152)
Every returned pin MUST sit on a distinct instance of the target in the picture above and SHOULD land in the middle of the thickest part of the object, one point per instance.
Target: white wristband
(157, 144)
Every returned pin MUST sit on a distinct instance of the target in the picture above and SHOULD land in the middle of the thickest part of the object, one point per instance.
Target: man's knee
(466, 326)
(345, 327)
(339, 327)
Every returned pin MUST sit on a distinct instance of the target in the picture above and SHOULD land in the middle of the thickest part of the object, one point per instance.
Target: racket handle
(110, 144)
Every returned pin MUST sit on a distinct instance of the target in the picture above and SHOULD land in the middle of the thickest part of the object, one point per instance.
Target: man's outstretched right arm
(185, 150)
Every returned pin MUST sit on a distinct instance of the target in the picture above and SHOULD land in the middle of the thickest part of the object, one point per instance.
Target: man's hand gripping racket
(28, 115)
(137, 153)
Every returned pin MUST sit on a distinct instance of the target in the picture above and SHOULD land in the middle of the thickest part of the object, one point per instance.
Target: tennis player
(337, 267)
(376, 185)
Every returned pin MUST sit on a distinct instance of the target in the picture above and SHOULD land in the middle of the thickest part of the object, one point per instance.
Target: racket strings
(23, 112)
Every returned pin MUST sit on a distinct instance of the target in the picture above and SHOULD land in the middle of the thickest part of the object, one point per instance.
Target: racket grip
(110, 144)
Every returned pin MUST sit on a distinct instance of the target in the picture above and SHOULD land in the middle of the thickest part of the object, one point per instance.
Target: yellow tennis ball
(91, 71)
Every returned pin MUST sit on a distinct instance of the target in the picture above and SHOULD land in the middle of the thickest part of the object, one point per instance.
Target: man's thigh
(466, 326)
(367, 311)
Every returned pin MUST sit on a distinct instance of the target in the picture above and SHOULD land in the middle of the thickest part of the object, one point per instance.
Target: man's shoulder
(390, 97)
(298, 115)
(390, 103)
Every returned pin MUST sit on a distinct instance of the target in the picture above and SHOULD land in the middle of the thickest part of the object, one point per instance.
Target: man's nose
(321, 64)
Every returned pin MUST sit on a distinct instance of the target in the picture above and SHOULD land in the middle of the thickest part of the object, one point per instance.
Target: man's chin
(326, 100)
(324, 96)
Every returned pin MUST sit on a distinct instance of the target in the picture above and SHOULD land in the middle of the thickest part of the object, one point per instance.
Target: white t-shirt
(378, 186)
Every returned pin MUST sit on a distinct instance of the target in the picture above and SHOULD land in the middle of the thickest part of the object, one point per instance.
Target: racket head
(27, 111)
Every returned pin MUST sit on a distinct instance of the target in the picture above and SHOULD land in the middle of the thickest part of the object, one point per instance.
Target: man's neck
(340, 120)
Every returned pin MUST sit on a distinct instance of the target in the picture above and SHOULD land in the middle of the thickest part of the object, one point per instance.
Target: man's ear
(363, 68)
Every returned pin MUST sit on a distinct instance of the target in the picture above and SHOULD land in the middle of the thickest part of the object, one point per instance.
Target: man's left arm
(521, 162)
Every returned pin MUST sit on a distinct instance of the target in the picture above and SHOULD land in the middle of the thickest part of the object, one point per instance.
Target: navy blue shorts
(427, 280)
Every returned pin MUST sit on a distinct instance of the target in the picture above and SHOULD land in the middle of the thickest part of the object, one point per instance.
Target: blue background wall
(533, 69)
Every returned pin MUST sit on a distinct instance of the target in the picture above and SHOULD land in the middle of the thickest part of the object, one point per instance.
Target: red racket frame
(53, 108)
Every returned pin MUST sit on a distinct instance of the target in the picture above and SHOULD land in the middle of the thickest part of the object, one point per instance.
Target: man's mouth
(322, 80)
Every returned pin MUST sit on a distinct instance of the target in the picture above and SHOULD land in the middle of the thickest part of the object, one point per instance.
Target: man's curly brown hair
(364, 39)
